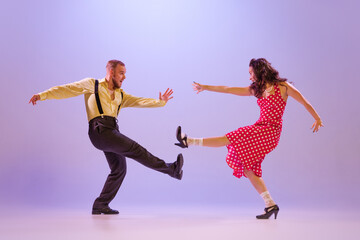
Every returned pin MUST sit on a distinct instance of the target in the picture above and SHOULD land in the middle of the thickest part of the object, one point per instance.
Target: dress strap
(277, 91)
(276, 87)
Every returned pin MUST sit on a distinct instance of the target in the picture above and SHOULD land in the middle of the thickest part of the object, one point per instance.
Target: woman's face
(252, 74)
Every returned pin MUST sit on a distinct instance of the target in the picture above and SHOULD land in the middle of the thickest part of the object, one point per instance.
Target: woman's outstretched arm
(240, 91)
(294, 93)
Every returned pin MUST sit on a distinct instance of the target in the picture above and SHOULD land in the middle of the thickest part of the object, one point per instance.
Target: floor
(185, 223)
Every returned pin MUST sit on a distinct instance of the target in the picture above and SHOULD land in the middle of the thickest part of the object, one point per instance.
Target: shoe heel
(276, 213)
(95, 212)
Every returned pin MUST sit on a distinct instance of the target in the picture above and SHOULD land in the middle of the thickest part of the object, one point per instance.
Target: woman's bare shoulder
(284, 88)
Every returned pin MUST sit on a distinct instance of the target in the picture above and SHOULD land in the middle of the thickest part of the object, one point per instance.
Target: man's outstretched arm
(140, 102)
(65, 91)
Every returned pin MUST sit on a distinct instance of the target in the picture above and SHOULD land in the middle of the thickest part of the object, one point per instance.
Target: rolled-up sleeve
(141, 102)
(69, 90)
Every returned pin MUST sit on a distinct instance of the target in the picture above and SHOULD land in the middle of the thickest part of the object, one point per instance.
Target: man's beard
(116, 84)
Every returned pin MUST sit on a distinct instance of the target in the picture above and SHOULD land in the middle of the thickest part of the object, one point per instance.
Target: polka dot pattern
(249, 145)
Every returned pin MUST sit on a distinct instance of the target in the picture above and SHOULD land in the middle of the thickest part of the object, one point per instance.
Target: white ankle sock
(267, 199)
(193, 141)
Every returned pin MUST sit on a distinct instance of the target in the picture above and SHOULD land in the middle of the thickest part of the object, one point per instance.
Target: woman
(248, 146)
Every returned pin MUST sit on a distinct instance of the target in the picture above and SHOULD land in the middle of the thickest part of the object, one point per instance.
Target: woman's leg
(260, 187)
(205, 142)
(256, 181)
(216, 141)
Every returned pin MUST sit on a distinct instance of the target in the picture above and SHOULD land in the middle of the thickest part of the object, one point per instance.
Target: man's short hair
(113, 63)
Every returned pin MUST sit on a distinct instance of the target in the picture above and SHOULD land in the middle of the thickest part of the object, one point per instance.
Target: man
(103, 100)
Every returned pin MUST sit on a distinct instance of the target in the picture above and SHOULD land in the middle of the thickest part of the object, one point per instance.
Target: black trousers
(104, 135)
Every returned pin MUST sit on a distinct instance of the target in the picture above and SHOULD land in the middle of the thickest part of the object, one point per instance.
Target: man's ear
(111, 72)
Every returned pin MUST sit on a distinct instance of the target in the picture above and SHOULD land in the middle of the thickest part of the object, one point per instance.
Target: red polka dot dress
(249, 145)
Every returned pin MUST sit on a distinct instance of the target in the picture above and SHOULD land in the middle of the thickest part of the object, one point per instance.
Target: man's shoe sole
(98, 212)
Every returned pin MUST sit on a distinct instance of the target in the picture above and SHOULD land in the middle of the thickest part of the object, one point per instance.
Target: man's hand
(167, 95)
(34, 98)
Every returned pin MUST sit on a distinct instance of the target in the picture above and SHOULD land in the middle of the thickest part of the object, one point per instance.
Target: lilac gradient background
(47, 159)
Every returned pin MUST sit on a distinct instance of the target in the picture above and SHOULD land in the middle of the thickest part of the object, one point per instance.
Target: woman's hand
(166, 96)
(197, 87)
(317, 124)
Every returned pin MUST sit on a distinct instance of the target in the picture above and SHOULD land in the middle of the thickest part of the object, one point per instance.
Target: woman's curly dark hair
(264, 73)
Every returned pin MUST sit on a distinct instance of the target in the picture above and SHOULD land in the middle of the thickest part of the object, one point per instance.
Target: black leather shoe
(269, 211)
(106, 210)
(178, 172)
(182, 141)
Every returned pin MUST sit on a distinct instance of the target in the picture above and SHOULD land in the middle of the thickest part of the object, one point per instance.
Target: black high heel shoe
(182, 141)
(269, 211)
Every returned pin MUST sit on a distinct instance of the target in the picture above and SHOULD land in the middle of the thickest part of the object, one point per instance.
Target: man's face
(118, 75)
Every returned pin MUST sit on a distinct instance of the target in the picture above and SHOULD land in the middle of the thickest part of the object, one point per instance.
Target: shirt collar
(105, 83)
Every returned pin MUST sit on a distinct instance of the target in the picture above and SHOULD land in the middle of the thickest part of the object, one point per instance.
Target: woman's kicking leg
(186, 141)
(216, 141)
(208, 142)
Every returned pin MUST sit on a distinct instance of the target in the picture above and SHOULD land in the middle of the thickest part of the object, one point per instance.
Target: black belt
(104, 119)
